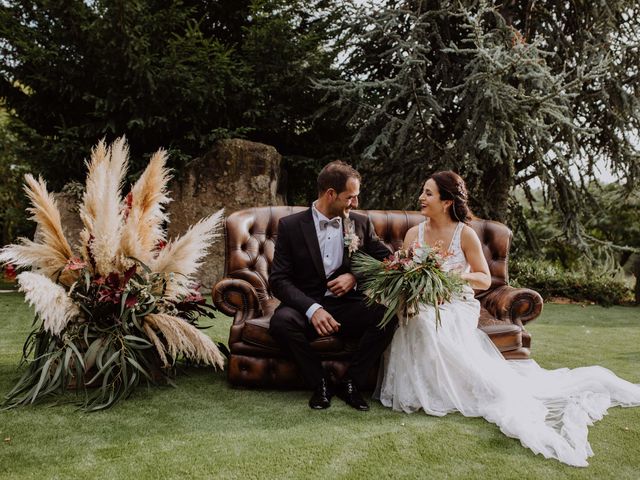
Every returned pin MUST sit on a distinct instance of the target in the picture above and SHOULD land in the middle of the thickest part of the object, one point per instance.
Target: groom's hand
(324, 323)
(342, 284)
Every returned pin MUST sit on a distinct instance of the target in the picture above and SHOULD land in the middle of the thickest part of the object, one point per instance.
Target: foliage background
(178, 74)
(527, 100)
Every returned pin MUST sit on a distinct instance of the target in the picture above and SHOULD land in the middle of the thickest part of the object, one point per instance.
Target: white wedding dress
(457, 368)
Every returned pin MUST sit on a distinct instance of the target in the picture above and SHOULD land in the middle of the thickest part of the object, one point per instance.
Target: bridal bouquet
(122, 307)
(407, 279)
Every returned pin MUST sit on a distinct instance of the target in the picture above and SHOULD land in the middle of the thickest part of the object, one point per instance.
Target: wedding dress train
(458, 368)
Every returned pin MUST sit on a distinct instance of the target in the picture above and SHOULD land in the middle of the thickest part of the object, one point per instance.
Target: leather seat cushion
(256, 332)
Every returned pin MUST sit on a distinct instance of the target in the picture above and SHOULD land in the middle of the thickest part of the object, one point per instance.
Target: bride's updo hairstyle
(451, 186)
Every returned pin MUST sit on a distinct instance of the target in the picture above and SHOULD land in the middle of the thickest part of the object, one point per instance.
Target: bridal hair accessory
(407, 279)
(351, 240)
(121, 309)
(459, 191)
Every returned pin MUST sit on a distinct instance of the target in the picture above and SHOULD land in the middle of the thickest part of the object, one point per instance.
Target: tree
(13, 222)
(615, 223)
(502, 92)
(289, 44)
(74, 72)
(611, 225)
(176, 74)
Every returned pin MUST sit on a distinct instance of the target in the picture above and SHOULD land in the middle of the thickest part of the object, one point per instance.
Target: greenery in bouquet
(122, 308)
(406, 279)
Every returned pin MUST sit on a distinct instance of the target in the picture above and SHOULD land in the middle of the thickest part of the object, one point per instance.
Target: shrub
(580, 284)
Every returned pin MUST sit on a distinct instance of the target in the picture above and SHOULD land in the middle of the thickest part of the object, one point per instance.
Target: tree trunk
(636, 273)
(489, 194)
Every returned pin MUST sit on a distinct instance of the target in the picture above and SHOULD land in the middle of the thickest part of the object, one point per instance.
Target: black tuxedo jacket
(297, 274)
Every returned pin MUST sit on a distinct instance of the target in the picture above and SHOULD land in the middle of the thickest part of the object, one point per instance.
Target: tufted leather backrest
(495, 238)
(250, 237)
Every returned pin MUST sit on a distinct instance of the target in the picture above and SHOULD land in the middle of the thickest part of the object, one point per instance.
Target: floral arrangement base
(122, 309)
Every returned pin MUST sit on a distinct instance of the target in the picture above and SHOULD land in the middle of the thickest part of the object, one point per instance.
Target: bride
(458, 368)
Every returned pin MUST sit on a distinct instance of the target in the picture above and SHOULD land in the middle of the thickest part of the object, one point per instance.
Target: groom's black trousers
(294, 332)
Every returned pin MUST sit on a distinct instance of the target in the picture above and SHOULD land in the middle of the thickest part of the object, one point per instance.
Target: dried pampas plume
(183, 256)
(50, 301)
(50, 256)
(157, 343)
(44, 211)
(183, 338)
(101, 209)
(143, 226)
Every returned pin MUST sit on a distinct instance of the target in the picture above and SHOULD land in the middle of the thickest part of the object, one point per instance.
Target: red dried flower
(10, 272)
(128, 203)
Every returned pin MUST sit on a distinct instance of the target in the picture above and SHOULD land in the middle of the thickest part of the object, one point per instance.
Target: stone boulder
(235, 174)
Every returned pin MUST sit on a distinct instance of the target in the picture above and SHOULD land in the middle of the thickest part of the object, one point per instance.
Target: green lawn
(205, 429)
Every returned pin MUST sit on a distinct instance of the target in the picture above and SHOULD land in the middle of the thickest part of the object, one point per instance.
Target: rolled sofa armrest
(517, 305)
(236, 298)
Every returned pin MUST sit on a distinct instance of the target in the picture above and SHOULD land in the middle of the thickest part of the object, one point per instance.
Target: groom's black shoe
(321, 397)
(348, 392)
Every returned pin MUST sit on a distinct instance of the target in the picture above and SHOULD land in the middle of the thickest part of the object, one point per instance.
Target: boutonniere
(351, 240)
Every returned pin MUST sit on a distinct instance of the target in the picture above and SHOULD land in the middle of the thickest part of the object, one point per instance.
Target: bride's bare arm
(410, 237)
(479, 277)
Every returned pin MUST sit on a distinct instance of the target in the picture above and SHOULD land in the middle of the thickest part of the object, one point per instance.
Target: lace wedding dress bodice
(456, 259)
(458, 368)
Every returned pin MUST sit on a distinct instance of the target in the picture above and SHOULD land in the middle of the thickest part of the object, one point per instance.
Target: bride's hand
(460, 274)
(459, 271)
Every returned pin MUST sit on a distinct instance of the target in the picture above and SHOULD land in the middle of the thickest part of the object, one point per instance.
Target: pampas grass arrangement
(122, 309)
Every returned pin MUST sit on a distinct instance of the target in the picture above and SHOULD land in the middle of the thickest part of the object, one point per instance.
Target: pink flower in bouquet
(74, 264)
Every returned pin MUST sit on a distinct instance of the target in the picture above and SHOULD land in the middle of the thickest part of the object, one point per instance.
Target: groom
(311, 276)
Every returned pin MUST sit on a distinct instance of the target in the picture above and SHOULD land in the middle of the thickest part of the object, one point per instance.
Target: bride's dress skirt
(458, 368)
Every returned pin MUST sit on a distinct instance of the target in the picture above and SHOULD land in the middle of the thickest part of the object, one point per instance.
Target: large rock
(235, 174)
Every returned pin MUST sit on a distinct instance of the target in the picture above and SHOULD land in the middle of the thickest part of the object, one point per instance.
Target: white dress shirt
(331, 241)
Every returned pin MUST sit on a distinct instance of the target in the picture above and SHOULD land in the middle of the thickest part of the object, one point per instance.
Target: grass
(206, 429)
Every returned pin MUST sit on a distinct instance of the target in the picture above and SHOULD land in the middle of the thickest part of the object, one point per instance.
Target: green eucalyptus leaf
(132, 339)
(92, 353)
(44, 373)
(104, 368)
(133, 362)
(77, 352)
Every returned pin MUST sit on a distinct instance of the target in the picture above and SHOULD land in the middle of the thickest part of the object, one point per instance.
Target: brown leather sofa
(257, 361)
